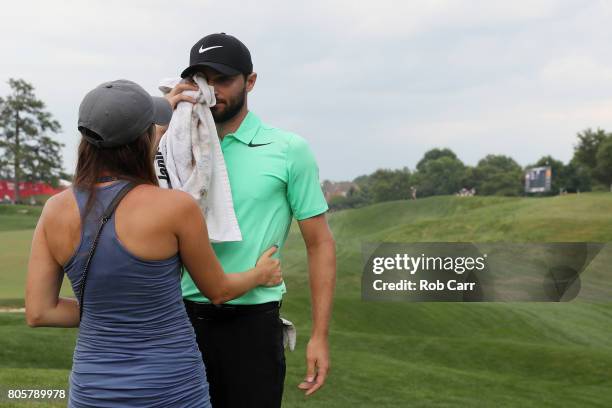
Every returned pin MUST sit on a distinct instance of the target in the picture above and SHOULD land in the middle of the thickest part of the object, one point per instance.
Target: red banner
(26, 189)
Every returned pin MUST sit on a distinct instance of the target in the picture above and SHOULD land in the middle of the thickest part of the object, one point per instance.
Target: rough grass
(402, 354)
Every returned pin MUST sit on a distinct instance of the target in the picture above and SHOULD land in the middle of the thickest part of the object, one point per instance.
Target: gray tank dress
(136, 346)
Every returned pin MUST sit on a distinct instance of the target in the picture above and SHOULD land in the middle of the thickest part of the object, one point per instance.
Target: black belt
(199, 307)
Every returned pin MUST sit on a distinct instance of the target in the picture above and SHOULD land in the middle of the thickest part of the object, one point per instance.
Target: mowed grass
(403, 354)
(14, 252)
(18, 217)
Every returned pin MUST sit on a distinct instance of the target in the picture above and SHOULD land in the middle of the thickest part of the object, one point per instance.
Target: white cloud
(577, 71)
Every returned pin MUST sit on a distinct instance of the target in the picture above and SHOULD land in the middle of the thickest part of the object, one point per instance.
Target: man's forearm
(322, 274)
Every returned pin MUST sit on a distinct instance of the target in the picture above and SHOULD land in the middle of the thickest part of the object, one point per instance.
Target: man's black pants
(242, 348)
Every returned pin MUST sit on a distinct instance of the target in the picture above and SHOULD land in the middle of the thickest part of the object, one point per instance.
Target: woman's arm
(44, 307)
(204, 267)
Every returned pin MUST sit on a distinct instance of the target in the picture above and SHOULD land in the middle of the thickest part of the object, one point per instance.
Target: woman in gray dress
(136, 346)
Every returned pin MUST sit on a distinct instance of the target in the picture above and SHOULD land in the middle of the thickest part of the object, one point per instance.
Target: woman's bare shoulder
(58, 203)
(164, 199)
(160, 209)
(151, 191)
(60, 211)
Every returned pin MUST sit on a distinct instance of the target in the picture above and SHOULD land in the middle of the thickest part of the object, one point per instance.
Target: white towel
(190, 159)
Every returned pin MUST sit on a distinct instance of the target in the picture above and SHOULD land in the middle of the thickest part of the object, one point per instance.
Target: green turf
(14, 251)
(18, 217)
(405, 354)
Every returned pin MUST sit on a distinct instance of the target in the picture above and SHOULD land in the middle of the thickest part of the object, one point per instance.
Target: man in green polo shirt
(274, 178)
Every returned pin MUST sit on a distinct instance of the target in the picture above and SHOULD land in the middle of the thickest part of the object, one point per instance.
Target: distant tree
(362, 180)
(603, 168)
(435, 154)
(363, 189)
(469, 178)
(355, 198)
(28, 151)
(585, 151)
(498, 175)
(443, 175)
(337, 203)
(389, 185)
(577, 178)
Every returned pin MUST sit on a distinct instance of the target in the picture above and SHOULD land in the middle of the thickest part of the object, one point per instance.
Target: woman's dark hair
(133, 161)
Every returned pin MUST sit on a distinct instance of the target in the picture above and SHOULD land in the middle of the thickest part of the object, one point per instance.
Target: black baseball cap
(222, 52)
(119, 112)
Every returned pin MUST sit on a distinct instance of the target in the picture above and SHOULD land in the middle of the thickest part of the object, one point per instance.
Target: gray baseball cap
(119, 112)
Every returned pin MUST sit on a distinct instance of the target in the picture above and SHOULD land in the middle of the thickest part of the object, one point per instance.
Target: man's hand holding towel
(190, 158)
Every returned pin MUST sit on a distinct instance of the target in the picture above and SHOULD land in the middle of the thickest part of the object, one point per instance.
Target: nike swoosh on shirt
(257, 145)
(202, 50)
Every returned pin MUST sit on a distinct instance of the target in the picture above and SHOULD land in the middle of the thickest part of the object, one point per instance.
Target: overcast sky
(370, 84)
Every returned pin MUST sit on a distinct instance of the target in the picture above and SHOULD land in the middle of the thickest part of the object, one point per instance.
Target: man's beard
(231, 109)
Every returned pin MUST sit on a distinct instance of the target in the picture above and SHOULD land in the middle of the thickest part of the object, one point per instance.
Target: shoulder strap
(103, 220)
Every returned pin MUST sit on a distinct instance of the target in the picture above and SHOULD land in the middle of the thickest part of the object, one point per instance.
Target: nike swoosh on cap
(202, 50)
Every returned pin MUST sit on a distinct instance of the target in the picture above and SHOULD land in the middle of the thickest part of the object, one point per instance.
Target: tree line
(441, 172)
(28, 152)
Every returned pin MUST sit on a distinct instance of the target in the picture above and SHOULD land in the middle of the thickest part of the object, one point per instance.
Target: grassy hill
(401, 354)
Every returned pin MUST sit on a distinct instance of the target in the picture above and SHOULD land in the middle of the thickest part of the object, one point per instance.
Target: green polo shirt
(274, 177)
